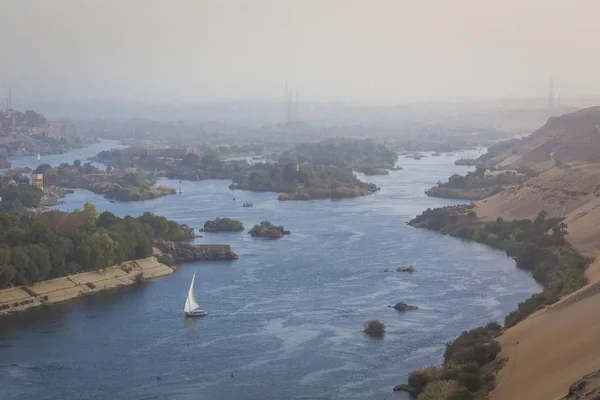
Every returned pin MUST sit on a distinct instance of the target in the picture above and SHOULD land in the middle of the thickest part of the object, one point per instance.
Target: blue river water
(286, 318)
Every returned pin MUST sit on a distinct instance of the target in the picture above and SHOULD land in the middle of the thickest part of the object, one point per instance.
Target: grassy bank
(539, 246)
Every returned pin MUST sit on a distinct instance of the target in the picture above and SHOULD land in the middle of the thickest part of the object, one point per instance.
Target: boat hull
(196, 314)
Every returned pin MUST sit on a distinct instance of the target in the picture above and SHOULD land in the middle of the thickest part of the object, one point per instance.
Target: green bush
(139, 277)
(91, 285)
(374, 328)
(471, 381)
(461, 394)
(165, 258)
(439, 390)
(419, 378)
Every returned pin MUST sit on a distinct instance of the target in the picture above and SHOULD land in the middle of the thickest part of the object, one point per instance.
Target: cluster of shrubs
(538, 246)
(166, 258)
(468, 371)
(18, 303)
(374, 328)
(90, 285)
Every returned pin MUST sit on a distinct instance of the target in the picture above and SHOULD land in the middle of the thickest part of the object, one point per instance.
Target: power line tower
(289, 103)
(551, 94)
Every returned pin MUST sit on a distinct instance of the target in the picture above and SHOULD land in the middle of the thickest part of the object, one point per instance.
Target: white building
(491, 174)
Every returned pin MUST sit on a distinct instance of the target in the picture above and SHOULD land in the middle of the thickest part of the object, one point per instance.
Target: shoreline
(461, 221)
(21, 298)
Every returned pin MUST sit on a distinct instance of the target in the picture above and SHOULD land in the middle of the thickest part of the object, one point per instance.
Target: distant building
(192, 150)
(167, 152)
(491, 174)
(37, 180)
(131, 170)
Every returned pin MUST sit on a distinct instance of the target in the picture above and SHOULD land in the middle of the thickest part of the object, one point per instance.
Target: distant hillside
(570, 138)
(566, 152)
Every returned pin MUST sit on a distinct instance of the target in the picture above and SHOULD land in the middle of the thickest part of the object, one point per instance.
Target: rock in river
(402, 306)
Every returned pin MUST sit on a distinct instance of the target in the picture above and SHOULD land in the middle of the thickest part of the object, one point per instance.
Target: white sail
(190, 303)
(39, 157)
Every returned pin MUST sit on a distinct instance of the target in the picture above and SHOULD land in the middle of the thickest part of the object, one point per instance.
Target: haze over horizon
(380, 51)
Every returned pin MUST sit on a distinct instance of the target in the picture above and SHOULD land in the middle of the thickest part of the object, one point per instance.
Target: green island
(478, 184)
(303, 183)
(223, 225)
(539, 246)
(366, 156)
(192, 167)
(268, 230)
(132, 185)
(42, 246)
(307, 171)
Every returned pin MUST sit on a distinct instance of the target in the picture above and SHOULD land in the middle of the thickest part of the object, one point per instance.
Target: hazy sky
(370, 50)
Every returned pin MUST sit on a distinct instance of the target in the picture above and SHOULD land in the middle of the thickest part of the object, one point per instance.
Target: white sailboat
(192, 308)
(39, 158)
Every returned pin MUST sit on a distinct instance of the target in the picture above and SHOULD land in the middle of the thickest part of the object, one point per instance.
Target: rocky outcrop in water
(223, 225)
(402, 306)
(409, 268)
(268, 230)
(186, 252)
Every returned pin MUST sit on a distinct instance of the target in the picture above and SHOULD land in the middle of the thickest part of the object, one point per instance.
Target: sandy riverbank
(69, 287)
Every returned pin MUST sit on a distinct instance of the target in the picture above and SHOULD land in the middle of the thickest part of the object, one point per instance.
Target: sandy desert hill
(556, 346)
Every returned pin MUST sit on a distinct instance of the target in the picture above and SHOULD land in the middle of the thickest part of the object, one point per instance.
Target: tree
(210, 161)
(109, 169)
(102, 250)
(77, 163)
(191, 160)
(42, 168)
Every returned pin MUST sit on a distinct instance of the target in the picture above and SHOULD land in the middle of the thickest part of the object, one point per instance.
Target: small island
(128, 185)
(295, 182)
(191, 166)
(358, 155)
(223, 225)
(268, 230)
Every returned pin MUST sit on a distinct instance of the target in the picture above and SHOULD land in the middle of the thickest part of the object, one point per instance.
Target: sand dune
(558, 345)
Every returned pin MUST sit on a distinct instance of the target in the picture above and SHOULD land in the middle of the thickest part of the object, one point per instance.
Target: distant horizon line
(542, 100)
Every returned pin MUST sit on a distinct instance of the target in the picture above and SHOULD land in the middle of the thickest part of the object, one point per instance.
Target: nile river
(285, 319)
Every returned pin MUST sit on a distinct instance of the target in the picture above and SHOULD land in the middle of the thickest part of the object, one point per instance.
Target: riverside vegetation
(307, 171)
(44, 246)
(17, 194)
(539, 246)
(365, 156)
(476, 185)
